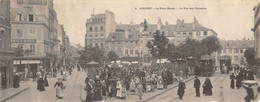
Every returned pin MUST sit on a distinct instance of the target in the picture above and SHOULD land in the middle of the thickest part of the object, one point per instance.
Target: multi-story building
(129, 40)
(256, 30)
(6, 55)
(98, 28)
(235, 50)
(34, 26)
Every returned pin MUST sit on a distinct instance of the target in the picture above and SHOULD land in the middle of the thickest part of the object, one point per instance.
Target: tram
(206, 65)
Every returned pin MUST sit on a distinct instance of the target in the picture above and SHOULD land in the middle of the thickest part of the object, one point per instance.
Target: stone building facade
(34, 27)
(6, 54)
(129, 40)
(235, 50)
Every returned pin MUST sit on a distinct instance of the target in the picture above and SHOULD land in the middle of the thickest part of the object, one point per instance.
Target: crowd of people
(117, 82)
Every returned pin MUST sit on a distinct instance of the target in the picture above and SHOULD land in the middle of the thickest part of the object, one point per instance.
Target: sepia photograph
(129, 50)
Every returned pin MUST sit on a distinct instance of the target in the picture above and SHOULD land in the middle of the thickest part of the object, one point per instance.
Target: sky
(230, 19)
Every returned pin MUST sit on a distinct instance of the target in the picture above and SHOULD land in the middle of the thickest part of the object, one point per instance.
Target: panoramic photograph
(129, 51)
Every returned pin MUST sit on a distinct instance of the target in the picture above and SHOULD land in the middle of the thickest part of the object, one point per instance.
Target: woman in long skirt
(232, 84)
(16, 81)
(207, 87)
(40, 84)
(239, 80)
(181, 89)
(58, 85)
(104, 90)
(46, 81)
(139, 90)
(132, 85)
(119, 89)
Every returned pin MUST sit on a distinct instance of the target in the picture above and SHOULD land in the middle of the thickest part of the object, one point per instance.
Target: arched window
(19, 16)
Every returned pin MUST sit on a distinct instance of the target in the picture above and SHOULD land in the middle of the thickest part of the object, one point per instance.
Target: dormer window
(113, 37)
(130, 36)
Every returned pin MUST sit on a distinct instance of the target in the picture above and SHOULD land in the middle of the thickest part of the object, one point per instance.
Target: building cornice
(31, 23)
(5, 26)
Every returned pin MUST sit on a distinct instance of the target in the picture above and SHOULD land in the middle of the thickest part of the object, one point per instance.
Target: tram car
(206, 65)
(225, 61)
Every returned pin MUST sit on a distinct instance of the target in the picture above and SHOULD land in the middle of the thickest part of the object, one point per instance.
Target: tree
(91, 54)
(249, 54)
(158, 46)
(211, 44)
(112, 56)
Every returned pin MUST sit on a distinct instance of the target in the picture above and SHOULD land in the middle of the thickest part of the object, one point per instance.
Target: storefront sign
(23, 40)
(26, 62)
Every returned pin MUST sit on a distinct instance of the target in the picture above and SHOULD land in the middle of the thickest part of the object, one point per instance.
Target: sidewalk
(11, 92)
(24, 85)
(148, 95)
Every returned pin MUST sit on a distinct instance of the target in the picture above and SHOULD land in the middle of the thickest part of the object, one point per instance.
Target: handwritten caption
(170, 8)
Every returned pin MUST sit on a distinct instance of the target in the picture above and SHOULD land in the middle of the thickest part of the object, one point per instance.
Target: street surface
(76, 81)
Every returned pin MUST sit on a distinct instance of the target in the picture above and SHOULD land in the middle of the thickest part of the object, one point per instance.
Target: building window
(101, 45)
(101, 35)
(19, 33)
(32, 33)
(31, 18)
(184, 34)
(236, 58)
(198, 33)
(113, 37)
(130, 36)
(90, 35)
(131, 52)
(126, 52)
(224, 51)
(96, 44)
(96, 35)
(190, 33)
(228, 44)
(20, 46)
(90, 28)
(230, 50)
(236, 50)
(96, 28)
(101, 28)
(32, 48)
(241, 51)
(205, 33)
(136, 52)
(19, 17)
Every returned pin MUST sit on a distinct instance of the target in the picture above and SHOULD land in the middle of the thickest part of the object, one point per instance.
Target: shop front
(6, 71)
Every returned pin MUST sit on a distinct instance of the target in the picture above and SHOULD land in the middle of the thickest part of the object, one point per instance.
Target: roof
(92, 62)
(240, 44)
(117, 36)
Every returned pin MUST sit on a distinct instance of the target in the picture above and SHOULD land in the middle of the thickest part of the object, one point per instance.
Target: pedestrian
(139, 91)
(40, 84)
(181, 89)
(124, 92)
(207, 87)
(59, 88)
(232, 84)
(97, 91)
(90, 91)
(46, 81)
(250, 93)
(164, 77)
(197, 86)
(104, 90)
(221, 95)
(118, 89)
(132, 85)
(25, 72)
(239, 79)
(16, 81)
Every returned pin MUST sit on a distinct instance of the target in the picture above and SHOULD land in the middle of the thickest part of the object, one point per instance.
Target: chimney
(166, 23)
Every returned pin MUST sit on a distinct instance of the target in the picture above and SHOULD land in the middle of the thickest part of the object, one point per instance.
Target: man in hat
(197, 86)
